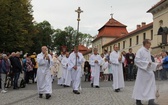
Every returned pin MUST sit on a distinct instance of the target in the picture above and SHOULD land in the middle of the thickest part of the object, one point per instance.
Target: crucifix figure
(78, 11)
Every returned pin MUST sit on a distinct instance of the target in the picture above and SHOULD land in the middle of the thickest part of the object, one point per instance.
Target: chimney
(143, 24)
(138, 26)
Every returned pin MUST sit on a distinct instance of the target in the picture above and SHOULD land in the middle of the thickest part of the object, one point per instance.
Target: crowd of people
(12, 65)
(68, 68)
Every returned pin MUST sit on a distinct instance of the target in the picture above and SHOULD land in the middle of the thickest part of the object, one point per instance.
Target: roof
(113, 23)
(82, 48)
(112, 28)
(156, 5)
(150, 25)
(88, 51)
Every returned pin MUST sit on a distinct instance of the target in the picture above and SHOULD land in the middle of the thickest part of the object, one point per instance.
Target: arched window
(161, 22)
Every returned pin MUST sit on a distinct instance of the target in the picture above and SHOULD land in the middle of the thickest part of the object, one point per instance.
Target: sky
(61, 13)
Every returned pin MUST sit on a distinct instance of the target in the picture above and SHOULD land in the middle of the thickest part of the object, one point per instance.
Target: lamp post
(79, 11)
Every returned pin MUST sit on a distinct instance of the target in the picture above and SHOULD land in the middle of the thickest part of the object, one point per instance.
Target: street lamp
(78, 19)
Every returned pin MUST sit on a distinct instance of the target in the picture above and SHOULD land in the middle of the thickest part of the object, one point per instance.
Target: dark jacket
(5, 67)
(17, 67)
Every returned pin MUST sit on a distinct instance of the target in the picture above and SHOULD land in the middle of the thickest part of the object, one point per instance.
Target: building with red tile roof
(111, 30)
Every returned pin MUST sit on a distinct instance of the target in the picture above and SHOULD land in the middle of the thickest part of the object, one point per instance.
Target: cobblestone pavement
(105, 95)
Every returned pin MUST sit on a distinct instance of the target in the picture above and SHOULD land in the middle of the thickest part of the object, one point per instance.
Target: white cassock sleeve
(153, 66)
(114, 58)
(40, 60)
(64, 63)
(91, 61)
(80, 59)
(70, 62)
(140, 63)
(100, 60)
(123, 59)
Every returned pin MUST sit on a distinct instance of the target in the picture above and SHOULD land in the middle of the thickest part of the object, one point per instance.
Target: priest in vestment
(95, 62)
(67, 72)
(61, 72)
(116, 59)
(75, 62)
(145, 87)
(44, 79)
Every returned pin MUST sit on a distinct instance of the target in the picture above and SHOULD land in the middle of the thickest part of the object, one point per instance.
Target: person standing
(95, 61)
(165, 65)
(44, 80)
(17, 69)
(4, 70)
(105, 69)
(55, 66)
(61, 72)
(130, 63)
(117, 59)
(67, 73)
(75, 62)
(87, 71)
(145, 87)
(29, 69)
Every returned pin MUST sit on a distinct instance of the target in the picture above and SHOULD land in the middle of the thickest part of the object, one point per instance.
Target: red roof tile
(87, 52)
(159, 3)
(82, 48)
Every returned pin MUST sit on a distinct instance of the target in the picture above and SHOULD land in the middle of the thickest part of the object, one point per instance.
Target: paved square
(89, 96)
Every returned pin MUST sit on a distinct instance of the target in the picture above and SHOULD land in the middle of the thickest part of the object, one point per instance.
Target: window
(130, 42)
(123, 44)
(137, 40)
(151, 34)
(144, 36)
(118, 45)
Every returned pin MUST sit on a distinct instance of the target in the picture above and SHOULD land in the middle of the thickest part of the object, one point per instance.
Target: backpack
(22, 83)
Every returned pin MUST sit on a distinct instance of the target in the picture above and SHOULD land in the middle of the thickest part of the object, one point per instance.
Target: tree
(42, 37)
(67, 37)
(16, 26)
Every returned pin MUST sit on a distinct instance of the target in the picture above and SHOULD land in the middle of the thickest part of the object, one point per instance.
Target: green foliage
(16, 26)
(42, 36)
(67, 37)
(18, 32)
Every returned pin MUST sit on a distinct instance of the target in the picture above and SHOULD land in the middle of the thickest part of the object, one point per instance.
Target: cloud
(61, 13)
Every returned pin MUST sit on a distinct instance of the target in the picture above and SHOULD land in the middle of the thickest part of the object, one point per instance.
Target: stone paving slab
(88, 96)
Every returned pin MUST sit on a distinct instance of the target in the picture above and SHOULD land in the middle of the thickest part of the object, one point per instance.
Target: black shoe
(97, 87)
(138, 102)
(15, 88)
(116, 90)
(40, 95)
(91, 84)
(48, 96)
(151, 102)
(76, 92)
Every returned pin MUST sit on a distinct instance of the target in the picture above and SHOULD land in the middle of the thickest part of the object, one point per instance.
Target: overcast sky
(61, 13)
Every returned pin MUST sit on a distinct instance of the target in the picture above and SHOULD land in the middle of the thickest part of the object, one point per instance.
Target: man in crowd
(130, 63)
(75, 62)
(44, 79)
(117, 59)
(67, 77)
(95, 61)
(165, 65)
(17, 69)
(61, 72)
(145, 87)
